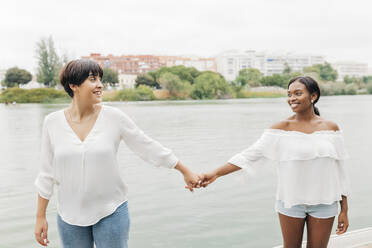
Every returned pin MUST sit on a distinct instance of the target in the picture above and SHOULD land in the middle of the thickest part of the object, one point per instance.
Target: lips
(293, 105)
(97, 93)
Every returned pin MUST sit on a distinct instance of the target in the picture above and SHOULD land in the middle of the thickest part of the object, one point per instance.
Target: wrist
(344, 210)
(40, 216)
(217, 173)
(183, 169)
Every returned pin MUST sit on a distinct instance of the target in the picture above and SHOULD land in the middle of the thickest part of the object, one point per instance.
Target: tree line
(49, 65)
(187, 82)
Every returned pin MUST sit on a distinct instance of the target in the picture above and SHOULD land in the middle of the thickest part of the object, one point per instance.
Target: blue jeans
(110, 232)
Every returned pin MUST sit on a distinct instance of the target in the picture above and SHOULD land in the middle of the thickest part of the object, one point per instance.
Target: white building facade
(127, 81)
(231, 62)
(201, 64)
(351, 69)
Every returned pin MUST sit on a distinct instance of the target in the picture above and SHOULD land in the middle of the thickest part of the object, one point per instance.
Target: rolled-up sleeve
(45, 179)
(146, 148)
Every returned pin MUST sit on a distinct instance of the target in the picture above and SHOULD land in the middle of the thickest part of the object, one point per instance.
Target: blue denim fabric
(110, 232)
(321, 211)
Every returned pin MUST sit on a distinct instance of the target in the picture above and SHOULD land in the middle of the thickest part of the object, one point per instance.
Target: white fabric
(86, 174)
(310, 167)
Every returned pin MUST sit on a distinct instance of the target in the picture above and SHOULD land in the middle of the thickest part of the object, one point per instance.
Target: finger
(204, 184)
(340, 227)
(45, 235)
(344, 228)
(191, 188)
(40, 239)
(197, 185)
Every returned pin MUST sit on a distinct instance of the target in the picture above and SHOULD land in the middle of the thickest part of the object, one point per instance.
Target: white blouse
(310, 167)
(86, 174)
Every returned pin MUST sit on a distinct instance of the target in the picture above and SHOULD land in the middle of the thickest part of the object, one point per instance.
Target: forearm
(42, 205)
(181, 168)
(343, 204)
(226, 169)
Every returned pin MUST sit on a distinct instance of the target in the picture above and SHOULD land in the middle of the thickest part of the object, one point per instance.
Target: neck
(306, 115)
(81, 110)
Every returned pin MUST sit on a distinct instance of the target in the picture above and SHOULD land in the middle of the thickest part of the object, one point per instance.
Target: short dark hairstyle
(311, 85)
(77, 71)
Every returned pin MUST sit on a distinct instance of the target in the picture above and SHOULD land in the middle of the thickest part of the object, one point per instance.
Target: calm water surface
(229, 213)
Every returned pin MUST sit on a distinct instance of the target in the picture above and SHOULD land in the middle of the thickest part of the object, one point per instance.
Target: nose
(100, 85)
(292, 98)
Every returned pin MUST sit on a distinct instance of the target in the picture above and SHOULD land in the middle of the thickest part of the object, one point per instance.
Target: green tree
(287, 69)
(369, 87)
(353, 80)
(15, 76)
(367, 79)
(249, 76)
(184, 73)
(325, 71)
(110, 77)
(209, 85)
(280, 80)
(176, 87)
(49, 63)
(147, 79)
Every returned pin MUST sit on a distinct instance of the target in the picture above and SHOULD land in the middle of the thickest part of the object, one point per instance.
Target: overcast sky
(337, 29)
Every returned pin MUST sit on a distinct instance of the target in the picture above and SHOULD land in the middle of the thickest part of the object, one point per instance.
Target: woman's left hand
(343, 223)
(192, 180)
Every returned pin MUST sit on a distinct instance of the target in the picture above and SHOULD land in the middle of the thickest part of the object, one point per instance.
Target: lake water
(204, 134)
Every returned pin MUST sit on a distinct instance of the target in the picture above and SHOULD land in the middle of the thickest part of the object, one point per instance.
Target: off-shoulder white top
(310, 167)
(86, 174)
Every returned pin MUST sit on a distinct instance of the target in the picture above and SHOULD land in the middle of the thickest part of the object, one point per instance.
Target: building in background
(127, 81)
(229, 63)
(127, 64)
(275, 63)
(201, 64)
(369, 73)
(2, 74)
(139, 64)
(351, 69)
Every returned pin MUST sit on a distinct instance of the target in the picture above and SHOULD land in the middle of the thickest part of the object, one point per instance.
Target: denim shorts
(321, 211)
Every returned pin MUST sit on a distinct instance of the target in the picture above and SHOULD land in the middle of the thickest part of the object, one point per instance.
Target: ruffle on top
(283, 145)
(300, 158)
(279, 145)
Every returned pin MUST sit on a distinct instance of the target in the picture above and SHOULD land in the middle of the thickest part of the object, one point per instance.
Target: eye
(289, 94)
(298, 93)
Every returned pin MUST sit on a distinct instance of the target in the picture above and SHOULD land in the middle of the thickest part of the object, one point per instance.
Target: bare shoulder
(282, 125)
(332, 125)
(329, 125)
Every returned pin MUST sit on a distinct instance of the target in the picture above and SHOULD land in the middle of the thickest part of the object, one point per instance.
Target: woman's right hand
(41, 231)
(208, 178)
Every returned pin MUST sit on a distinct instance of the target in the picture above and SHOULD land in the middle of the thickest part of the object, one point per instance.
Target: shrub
(42, 95)
(141, 93)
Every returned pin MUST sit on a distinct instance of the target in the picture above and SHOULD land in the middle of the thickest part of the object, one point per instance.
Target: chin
(95, 101)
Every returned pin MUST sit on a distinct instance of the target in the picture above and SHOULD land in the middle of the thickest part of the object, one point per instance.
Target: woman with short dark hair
(78, 157)
(308, 152)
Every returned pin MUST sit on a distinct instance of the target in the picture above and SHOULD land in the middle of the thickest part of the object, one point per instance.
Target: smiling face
(299, 98)
(90, 91)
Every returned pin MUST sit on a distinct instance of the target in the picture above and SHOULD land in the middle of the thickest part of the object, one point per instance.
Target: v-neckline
(90, 131)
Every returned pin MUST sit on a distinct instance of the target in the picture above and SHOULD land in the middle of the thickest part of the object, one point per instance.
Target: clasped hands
(194, 180)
